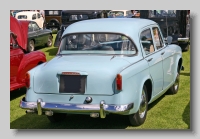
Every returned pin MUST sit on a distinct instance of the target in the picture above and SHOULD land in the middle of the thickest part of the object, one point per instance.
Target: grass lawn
(168, 112)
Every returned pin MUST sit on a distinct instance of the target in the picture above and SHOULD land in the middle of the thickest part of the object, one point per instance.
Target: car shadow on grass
(17, 93)
(185, 73)
(33, 121)
(150, 106)
(186, 115)
(40, 47)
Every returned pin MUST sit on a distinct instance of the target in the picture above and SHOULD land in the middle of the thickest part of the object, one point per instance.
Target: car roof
(118, 25)
(27, 13)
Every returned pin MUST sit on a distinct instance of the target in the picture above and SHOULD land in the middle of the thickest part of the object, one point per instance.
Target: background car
(20, 60)
(105, 66)
(71, 16)
(38, 36)
(31, 15)
(172, 23)
(16, 11)
(120, 14)
(53, 19)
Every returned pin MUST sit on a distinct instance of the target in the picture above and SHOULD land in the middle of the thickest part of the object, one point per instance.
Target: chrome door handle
(149, 59)
(162, 53)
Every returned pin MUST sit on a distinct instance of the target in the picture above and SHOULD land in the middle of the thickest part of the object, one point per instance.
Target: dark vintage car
(37, 36)
(71, 16)
(53, 19)
(172, 23)
(20, 60)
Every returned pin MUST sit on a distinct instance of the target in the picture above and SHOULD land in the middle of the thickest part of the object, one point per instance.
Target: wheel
(138, 118)
(31, 46)
(57, 117)
(49, 41)
(174, 88)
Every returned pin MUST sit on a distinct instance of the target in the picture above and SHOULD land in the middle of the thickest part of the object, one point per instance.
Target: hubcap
(143, 105)
(31, 45)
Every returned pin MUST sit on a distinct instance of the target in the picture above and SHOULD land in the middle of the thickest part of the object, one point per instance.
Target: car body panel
(20, 28)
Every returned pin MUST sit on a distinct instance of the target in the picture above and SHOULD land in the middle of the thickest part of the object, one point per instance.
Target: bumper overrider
(95, 110)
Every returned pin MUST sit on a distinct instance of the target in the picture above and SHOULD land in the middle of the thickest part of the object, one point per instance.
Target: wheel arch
(35, 58)
(180, 61)
(149, 86)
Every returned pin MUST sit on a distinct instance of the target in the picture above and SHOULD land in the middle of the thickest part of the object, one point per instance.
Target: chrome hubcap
(143, 105)
(31, 45)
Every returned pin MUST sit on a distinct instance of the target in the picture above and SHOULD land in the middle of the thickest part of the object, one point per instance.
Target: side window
(129, 13)
(30, 27)
(33, 16)
(35, 26)
(147, 41)
(38, 15)
(157, 38)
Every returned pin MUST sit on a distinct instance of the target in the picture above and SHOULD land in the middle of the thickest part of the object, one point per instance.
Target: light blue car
(105, 66)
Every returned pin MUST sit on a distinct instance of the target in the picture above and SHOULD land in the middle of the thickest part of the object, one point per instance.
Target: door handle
(162, 53)
(149, 59)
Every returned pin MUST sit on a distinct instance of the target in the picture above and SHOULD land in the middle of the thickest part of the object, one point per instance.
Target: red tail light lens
(119, 82)
(27, 80)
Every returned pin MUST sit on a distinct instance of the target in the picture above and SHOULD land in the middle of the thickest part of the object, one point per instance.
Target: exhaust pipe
(94, 115)
(48, 113)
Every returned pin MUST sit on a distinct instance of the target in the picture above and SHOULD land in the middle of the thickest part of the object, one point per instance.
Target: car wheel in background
(138, 118)
(57, 117)
(50, 41)
(31, 46)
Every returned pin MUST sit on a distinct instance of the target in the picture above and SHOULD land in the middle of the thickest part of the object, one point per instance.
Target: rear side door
(153, 58)
(167, 56)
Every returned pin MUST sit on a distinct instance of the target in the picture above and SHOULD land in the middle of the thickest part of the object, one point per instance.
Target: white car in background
(31, 15)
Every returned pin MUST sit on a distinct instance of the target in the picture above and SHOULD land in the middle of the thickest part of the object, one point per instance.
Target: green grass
(168, 112)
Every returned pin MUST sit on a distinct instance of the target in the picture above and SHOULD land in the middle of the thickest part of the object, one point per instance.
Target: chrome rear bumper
(41, 107)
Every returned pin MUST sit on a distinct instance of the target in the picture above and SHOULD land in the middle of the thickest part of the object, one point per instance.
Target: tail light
(119, 82)
(27, 80)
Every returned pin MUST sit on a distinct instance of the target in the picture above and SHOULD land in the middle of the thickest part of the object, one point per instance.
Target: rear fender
(28, 62)
(137, 96)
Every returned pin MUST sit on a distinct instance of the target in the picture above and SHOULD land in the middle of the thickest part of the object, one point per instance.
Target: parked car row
(37, 35)
(103, 66)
